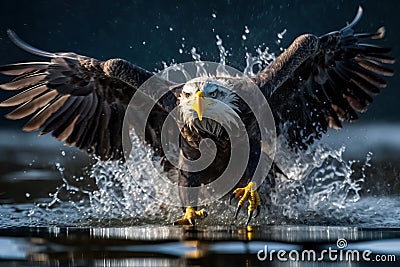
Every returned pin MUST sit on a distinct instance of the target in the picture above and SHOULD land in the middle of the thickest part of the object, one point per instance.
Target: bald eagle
(316, 83)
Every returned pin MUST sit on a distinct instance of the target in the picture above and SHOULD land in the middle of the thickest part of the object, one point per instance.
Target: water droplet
(244, 37)
(63, 153)
(27, 195)
(180, 50)
(157, 27)
(219, 40)
(214, 15)
(171, 29)
(195, 55)
(246, 29)
(144, 42)
(281, 34)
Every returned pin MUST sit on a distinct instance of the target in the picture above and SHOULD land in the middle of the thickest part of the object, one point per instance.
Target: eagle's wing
(318, 82)
(78, 99)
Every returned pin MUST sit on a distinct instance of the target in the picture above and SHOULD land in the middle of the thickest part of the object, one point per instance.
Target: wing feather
(25, 96)
(32, 106)
(23, 68)
(25, 82)
(64, 119)
(44, 114)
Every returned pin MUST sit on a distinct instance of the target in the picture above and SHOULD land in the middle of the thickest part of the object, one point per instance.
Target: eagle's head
(207, 104)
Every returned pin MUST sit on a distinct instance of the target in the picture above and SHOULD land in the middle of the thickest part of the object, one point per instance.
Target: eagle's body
(226, 111)
(317, 83)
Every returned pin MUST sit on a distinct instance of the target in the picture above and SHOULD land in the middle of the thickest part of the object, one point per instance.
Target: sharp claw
(232, 197)
(257, 211)
(249, 217)
(190, 215)
(237, 211)
(250, 194)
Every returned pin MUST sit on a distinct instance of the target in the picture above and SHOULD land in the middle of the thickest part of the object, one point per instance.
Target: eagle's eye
(213, 94)
(187, 95)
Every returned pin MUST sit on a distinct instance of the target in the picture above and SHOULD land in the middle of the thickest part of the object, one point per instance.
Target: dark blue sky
(139, 31)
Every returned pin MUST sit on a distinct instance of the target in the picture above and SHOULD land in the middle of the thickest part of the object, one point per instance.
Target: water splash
(124, 193)
(260, 58)
(319, 188)
(200, 69)
(256, 63)
(319, 183)
(280, 36)
(223, 53)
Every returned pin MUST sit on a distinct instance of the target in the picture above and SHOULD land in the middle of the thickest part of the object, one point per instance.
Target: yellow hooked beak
(198, 104)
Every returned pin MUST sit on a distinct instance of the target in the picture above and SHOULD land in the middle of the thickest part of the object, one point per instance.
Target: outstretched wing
(318, 82)
(79, 100)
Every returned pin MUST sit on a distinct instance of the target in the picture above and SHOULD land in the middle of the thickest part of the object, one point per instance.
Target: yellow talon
(190, 215)
(248, 193)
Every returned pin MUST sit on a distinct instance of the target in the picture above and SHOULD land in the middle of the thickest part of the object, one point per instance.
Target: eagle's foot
(190, 215)
(248, 193)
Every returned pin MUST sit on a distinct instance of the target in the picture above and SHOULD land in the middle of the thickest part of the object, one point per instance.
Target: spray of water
(320, 184)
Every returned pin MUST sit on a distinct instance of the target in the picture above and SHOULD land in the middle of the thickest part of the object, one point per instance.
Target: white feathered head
(208, 104)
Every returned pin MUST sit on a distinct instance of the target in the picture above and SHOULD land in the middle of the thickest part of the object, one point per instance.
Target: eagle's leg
(250, 194)
(190, 215)
(189, 199)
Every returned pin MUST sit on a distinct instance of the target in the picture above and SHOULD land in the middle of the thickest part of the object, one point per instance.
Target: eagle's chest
(219, 151)
(214, 151)
(195, 140)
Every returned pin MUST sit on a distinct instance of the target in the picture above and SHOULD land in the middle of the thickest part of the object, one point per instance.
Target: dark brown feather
(81, 124)
(380, 58)
(367, 75)
(25, 96)
(24, 83)
(23, 68)
(62, 117)
(32, 106)
(374, 67)
(37, 121)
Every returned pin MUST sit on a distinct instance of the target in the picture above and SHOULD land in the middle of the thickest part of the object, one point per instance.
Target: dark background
(139, 31)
